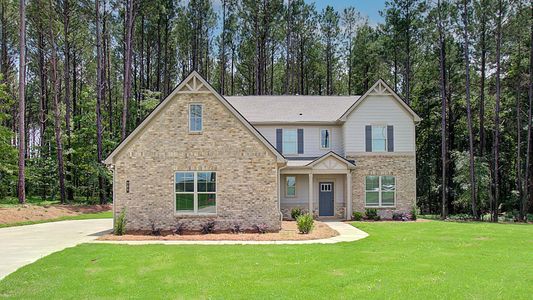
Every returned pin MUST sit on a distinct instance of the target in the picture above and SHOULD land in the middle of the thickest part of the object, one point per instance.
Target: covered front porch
(322, 186)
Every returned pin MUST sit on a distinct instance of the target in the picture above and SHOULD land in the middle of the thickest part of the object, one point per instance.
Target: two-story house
(248, 160)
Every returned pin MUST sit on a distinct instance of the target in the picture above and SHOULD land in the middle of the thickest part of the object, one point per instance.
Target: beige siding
(379, 110)
(311, 138)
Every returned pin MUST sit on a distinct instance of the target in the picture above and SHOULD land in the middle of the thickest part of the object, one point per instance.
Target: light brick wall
(403, 167)
(246, 169)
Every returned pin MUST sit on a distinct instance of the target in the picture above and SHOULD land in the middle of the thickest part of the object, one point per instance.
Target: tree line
(78, 76)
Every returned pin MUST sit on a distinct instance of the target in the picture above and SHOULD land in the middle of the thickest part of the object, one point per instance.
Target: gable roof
(292, 109)
(381, 88)
(349, 164)
(194, 83)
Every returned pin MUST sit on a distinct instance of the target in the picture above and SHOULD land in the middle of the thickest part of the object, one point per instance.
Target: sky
(369, 8)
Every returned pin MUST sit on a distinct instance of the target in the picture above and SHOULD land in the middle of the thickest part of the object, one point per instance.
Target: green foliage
(462, 181)
(529, 217)
(372, 214)
(357, 216)
(120, 223)
(296, 212)
(305, 223)
(414, 213)
(8, 153)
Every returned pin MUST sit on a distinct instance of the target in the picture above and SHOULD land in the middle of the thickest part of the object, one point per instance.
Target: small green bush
(120, 224)
(296, 212)
(371, 214)
(414, 213)
(529, 217)
(305, 223)
(357, 216)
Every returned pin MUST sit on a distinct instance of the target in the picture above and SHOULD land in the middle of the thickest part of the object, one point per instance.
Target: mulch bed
(288, 232)
(22, 213)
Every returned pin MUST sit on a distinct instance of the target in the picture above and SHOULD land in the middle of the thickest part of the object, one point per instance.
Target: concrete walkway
(347, 233)
(22, 245)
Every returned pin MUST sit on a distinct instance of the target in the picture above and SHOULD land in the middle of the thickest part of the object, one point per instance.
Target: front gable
(174, 111)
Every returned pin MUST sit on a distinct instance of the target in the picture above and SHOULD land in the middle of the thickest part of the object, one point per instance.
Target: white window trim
(320, 138)
(386, 136)
(284, 130)
(189, 118)
(380, 205)
(195, 193)
(287, 185)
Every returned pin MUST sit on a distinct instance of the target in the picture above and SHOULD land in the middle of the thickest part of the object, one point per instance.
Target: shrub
(371, 213)
(400, 217)
(357, 216)
(236, 229)
(120, 224)
(261, 228)
(208, 227)
(179, 228)
(154, 231)
(305, 223)
(414, 213)
(296, 212)
(529, 217)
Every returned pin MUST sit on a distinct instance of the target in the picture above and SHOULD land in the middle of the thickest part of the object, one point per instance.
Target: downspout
(278, 179)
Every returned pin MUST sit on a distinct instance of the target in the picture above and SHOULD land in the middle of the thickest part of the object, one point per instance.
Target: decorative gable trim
(380, 88)
(194, 83)
(325, 159)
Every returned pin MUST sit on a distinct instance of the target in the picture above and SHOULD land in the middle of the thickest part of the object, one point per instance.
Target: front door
(325, 199)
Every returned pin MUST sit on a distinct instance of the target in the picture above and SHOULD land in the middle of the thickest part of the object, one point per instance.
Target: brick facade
(403, 167)
(246, 169)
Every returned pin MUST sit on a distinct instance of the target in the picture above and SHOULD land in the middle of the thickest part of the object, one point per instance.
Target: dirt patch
(22, 213)
(288, 232)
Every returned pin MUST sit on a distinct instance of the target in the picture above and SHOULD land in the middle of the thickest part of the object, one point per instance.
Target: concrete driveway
(22, 245)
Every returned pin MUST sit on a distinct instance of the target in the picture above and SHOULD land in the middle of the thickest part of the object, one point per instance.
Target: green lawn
(98, 215)
(398, 260)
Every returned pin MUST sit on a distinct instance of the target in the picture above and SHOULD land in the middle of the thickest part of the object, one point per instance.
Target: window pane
(378, 145)
(207, 203)
(291, 186)
(206, 182)
(290, 141)
(185, 202)
(372, 183)
(372, 198)
(195, 117)
(387, 198)
(184, 182)
(388, 183)
(324, 138)
(379, 138)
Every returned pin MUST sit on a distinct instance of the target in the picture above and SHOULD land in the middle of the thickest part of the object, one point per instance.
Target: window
(379, 138)
(325, 139)
(290, 190)
(195, 118)
(290, 141)
(325, 187)
(380, 190)
(196, 192)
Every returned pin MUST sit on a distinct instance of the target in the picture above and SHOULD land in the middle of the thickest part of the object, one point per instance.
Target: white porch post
(311, 193)
(349, 195)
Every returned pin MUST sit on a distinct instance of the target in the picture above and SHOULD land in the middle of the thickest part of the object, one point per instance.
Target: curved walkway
(347, 233)
(22, 245)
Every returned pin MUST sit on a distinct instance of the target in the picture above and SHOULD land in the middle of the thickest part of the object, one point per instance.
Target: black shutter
(300, 141)
(368, 138)
(279, 140)
(390, 138)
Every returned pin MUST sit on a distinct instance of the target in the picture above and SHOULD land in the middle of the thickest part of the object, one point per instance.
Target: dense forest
(78, 76)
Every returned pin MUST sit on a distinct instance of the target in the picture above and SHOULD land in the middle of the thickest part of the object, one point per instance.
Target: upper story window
(379, 138)
(290, 141)
(325, 139)
(195, 118)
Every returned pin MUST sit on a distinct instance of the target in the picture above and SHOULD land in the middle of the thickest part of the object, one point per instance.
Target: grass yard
(399, 260)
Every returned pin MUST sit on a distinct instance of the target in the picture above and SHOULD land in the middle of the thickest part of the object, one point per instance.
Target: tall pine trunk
(99, 94)
(444, 148)
(127, 65)
(68, 106)
(528, 194)
(21, 186)
(57, 111)
(496, 142)
(469, 112)
(482, 81)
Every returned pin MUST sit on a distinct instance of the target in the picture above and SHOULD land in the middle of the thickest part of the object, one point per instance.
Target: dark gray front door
(325, 198)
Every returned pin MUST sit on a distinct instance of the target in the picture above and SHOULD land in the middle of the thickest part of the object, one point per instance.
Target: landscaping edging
(347, 233)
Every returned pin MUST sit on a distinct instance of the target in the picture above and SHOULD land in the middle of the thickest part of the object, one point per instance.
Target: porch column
(311, 193)
(349, 195)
